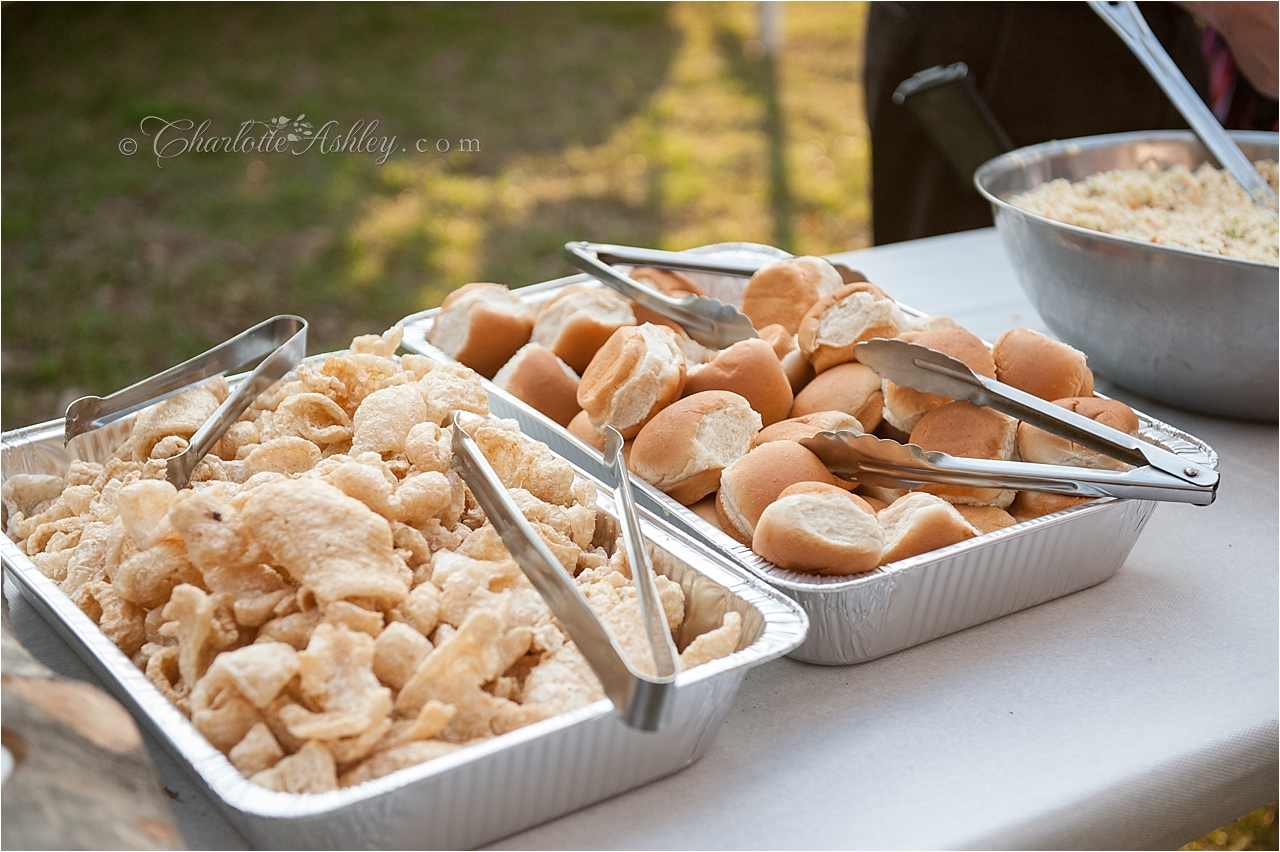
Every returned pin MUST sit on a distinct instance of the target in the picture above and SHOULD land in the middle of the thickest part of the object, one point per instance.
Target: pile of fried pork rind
(326, 601)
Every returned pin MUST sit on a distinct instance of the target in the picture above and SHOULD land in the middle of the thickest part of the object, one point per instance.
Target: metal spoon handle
(1128, 23)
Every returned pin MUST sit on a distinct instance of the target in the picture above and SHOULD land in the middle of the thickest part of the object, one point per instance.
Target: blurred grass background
(648, 124)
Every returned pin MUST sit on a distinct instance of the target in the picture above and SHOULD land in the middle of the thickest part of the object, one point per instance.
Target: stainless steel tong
(282, 339)
(643, 701)
(1157, 474)
(709, 321)
(1128, 23)
(685, 262)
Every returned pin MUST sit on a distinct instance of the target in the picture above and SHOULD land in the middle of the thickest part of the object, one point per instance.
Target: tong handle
(708, 321)
(1127, 22)
(651, 611)
(680, 261)
(643, 703)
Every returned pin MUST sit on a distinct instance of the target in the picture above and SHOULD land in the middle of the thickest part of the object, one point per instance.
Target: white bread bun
(1037, 504)
(808, 425)
(782, 292)
(842, 319)
(1039, 446)
(751, 369)
(852, 388)
(535, 375)
(684, 448)
(580, 427)
(987, 519)
(578, 320)
(969, 431)
(482, 325)
(903, 406)
(918, 523)
(754, 481)
(637, 373)
(782, 341)
(1040, 365)
(819, 529)
(798, 369)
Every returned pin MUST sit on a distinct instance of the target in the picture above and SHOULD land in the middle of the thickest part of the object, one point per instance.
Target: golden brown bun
(683, 449)
(918, 523)
(966, 430)
(931, 322)
(782, 292)
(578, 320)
(798, 369)
(903, 406)
(1039, 365)
(754, 481)
(749, 368)
(880, 494)
(636, 374)
(669, 281)
(706, 509)
(819, 529)
(782, 341)
(845, 317)
(1036, 504)
(482, 325)
(876, 505)
(537, 376)
(1036, 445)
(987, 519)
(799, 428)
(852, 388)
(580, 427)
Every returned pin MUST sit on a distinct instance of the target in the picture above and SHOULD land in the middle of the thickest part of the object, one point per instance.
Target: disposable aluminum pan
(859, 618)
(479, 793)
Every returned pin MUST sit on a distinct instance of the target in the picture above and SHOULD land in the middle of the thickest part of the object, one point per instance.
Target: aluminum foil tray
(859, 618)
(479, 793)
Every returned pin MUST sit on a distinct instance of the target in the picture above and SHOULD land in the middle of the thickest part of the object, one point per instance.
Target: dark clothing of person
(1047, 71)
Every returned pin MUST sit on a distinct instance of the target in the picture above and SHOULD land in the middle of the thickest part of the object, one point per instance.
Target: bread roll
(842, 319)
(535, 375)
(782, 292)
(580, 427)
(1039, 365)
(482, 325)
(852, 388)
(987, 519)
(1037, 504)
(798, 369)
(754, 481)
(750, 369)
(966, 430)
(876, 505)
(808, 425)
(635, 375)
(1041, 447)
(706, 509)
(577, 321)
(918, 523)
(903, 406)
(782, 341)
(931, 322)
(684, 448)
(881, 494)
(819, 529)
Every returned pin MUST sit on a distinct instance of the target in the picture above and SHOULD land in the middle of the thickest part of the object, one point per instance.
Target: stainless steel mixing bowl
(1191, 329)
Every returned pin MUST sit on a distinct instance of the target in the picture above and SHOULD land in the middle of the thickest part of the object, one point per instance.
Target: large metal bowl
(1191, 329)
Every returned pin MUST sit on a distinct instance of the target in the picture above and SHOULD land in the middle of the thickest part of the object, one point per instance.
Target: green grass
(635, 123)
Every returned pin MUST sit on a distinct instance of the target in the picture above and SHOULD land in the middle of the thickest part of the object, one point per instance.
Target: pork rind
(326, 601)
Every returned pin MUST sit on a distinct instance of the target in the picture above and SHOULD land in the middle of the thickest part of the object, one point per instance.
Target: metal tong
(686, 262)
(643, 701)
(1157, 474)
(283, 339)
(1128, 23)
(709, 321)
